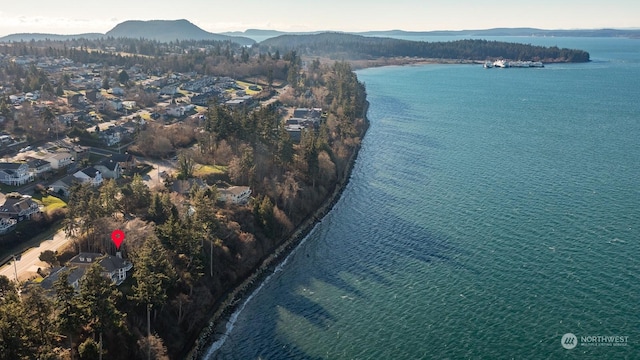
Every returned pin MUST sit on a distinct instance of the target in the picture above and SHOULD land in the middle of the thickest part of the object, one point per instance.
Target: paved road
(28, 262)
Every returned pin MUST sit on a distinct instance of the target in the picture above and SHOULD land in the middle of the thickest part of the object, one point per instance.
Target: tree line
(357, 47)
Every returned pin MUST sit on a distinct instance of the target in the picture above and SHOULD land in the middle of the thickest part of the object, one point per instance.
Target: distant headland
(356, 47)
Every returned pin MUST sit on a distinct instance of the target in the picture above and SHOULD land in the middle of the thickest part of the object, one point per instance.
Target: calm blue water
(489, 213)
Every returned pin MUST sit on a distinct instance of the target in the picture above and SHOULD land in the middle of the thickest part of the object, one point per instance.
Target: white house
(238, 195)
(15, 174)
(90, 175)
(38, 167)
(59, 160)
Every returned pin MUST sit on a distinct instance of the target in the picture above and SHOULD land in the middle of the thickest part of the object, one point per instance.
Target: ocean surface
(490, 212)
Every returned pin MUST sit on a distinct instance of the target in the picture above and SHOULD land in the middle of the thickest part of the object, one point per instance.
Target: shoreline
(238, 296)
(409, 61)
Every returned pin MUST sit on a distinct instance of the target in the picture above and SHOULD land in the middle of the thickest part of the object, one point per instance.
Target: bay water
(489, 213)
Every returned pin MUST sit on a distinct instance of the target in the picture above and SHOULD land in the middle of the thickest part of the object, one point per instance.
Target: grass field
(50, 202)
(204, 170)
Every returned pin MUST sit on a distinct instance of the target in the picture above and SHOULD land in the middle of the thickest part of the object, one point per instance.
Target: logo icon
(117, 236)
(569, 341)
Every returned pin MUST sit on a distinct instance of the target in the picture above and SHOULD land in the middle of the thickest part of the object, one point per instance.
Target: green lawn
(204, 170)
(50, 202)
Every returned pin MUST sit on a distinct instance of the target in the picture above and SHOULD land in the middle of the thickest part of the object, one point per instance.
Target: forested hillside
(355, 47)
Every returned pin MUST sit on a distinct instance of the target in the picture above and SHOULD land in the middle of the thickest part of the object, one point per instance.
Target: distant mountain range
(630, 33)
(159, 30)
(172, 30)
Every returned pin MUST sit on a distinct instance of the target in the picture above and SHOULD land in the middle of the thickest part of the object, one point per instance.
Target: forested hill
(169, 30)
(357, 47)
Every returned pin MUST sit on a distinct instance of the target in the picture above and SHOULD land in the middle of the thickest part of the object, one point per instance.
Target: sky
(82, 16)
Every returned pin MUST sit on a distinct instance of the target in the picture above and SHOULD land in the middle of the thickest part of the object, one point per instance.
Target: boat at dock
(501, 63)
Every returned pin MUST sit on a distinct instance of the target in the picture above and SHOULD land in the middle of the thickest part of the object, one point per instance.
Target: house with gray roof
(62, 186)
(75, 274)
(125, 160)
(114, 268)
(38, 167)
(90, 175)
(18, 207)
(109, 168)
(14, 173)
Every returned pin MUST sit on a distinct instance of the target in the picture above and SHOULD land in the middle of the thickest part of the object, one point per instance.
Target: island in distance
(352, 46)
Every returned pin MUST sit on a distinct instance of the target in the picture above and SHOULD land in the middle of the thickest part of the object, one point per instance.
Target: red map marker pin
(117, 236)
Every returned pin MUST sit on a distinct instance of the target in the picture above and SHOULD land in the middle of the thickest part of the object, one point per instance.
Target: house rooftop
(109, 262)
(75, 274)
(122, 157)
(15, 205)
(67, 180)
(60, 156)
(10, 165)
(36, 163)
(109, 163)
(90, 171)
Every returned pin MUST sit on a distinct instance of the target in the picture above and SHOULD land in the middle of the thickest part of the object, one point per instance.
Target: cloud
(53, 25)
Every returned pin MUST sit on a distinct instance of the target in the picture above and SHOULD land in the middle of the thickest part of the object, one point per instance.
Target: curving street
(27, 263)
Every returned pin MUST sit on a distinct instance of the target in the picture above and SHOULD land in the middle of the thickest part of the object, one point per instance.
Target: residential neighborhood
(159, 176)
(110, 115)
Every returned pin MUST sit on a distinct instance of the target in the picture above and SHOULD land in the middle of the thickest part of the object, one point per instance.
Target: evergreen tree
(109, 198)
(136, 197)
(123, 77)
(154, 276)
(185, 167)
(15, 341)
(38, 310)
(67, 304)
(98, 296)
